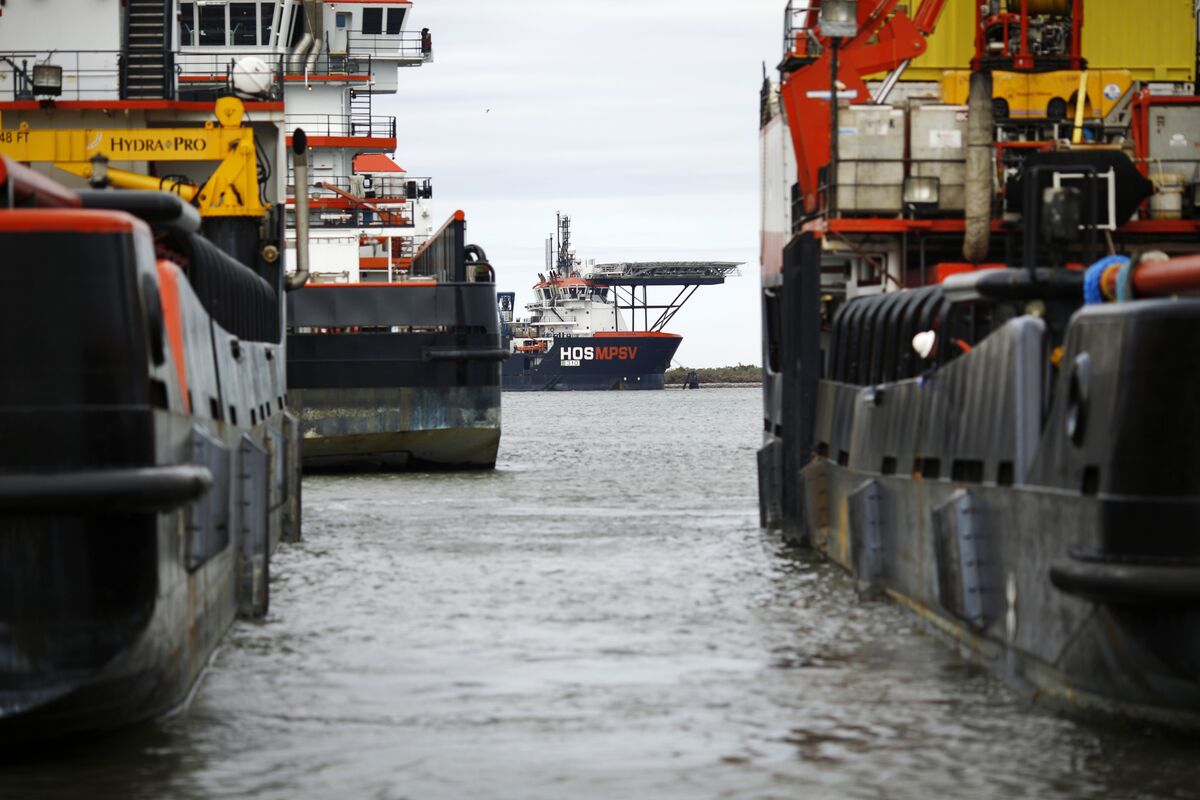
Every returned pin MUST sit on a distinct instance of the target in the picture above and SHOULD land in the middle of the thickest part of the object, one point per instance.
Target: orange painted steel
(886, 38)
(373, 142)
(130, 105)
(384, 214)
(168, 292)
(382, 262)
(375, 285)
(927, 15)
(636, 334)
(71, 220)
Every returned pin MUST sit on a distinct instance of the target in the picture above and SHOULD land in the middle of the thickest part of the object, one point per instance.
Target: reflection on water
(599, 618)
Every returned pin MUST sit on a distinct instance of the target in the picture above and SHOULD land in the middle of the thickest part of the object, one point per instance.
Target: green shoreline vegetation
(742, 373)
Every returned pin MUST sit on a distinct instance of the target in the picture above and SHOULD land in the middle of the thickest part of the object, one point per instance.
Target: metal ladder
(360, 112)
(146, 72)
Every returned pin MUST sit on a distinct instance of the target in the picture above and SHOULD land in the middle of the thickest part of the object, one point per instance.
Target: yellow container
(1155, 41)
(1029, 94)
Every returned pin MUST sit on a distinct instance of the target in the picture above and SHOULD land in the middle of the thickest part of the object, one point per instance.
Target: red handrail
(22, 186)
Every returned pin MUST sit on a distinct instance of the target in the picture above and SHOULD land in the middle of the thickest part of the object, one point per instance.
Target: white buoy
(923, 343)
(252, 78)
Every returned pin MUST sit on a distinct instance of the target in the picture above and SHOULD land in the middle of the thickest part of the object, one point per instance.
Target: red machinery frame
(887, 39)
(1024, 60)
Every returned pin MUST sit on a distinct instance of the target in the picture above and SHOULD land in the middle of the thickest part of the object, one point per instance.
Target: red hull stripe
(131, 105)
(638, 334)
(376, 142)
(405, 285)
(70, 220)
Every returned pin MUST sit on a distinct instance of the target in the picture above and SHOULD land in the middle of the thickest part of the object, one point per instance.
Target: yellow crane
(231, 190)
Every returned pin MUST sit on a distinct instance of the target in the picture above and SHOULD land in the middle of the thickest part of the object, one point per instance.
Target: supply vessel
(394, 346)
(576, 336)
(981, 330)
(149, 465)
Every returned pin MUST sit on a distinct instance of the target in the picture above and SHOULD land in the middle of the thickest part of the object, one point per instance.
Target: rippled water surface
(601, 617)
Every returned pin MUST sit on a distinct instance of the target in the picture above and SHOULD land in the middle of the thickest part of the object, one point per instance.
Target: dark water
(599, 618)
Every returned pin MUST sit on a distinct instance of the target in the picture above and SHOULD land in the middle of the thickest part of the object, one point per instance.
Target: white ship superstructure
(570, 305)
(159, 63)
(368, 215)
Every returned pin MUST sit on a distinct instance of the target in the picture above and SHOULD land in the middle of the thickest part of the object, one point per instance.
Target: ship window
(395, 20)
(297, 26)
(372, 20)
(187, 24)
(242, 30)
(266, 18)
(212, 25)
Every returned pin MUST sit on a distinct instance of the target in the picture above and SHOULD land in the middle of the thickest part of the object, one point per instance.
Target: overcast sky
(638, 118)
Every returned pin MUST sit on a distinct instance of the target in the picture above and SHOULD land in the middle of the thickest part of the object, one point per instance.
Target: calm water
(599, 618)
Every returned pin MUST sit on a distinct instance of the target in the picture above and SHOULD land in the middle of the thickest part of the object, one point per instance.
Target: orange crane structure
(887, 39)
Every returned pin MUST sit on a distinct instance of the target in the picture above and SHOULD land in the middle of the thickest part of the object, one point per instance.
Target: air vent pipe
(314, 16)
(300, 179)
(980, 154)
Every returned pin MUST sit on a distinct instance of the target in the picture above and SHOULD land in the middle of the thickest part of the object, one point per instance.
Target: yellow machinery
(1155, 41)
(1045, 95)
(231, 191)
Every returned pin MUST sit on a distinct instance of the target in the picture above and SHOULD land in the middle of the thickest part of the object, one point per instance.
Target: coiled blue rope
(1091, 278)
(1125, 282)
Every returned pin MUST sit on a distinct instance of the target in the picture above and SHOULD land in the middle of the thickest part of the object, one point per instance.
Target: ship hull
(396, 376)
(399, 428)
(137, 517)
(1044, 518)
(144, 651)
(629, 361)
(980, 565)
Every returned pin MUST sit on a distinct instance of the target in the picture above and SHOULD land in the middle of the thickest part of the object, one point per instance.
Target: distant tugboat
(981, 340)
(576, 336)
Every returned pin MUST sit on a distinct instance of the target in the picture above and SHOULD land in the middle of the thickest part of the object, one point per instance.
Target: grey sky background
(638, 118)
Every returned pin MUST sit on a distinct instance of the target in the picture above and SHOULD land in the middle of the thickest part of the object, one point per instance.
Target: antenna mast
(566, 263)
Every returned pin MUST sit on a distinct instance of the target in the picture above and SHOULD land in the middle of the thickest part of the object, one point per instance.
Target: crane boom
(231, 190)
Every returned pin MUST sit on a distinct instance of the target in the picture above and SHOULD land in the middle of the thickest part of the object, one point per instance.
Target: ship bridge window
(395, 20)
(242, 27)
(211, 24)
(217, 24)
(372, 21)
(187, 24)
(266, 20)
(297, 26)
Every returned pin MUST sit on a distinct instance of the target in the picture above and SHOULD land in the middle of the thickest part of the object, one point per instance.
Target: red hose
(1158, 278)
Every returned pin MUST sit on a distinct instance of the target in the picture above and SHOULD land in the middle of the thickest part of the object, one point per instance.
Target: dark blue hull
(635, 360)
